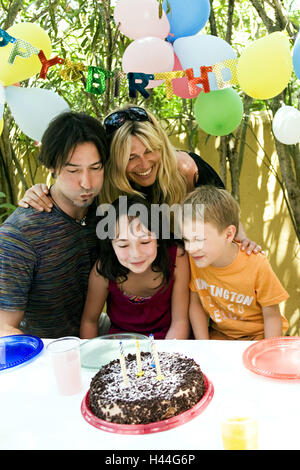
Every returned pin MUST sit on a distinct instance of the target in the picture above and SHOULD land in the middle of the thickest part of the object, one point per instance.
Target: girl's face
(135, 246)
(143, 163)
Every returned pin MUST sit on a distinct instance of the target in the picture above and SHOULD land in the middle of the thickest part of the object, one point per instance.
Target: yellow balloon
(23, 68)
(265, 67)
(1, 125)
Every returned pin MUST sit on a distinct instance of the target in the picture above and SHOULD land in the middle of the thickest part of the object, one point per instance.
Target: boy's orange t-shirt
(233, 296)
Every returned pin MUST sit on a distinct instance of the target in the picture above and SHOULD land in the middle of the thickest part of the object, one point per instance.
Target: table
(34, 416)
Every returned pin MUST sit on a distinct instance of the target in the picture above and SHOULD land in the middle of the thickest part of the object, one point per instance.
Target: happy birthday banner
(204, 67)
(137, 81)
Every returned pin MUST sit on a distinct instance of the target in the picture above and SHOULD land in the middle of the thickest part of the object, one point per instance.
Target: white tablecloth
(34, 416)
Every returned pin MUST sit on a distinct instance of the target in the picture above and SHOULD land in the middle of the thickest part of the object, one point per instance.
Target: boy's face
(207, 246)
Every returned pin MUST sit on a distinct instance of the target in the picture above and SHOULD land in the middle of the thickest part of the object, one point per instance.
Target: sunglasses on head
(116, 120)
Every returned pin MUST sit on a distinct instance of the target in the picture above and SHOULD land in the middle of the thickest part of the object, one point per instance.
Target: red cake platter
(151, 427)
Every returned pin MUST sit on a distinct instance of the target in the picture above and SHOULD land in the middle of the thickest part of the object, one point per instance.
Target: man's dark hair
(65, 132)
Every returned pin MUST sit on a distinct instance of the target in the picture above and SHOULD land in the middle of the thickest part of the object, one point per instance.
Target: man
(45, 258)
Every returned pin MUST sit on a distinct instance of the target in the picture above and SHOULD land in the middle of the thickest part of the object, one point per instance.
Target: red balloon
(180, 85)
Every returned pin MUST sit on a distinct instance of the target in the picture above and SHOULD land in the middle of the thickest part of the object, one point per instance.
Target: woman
(143, 161)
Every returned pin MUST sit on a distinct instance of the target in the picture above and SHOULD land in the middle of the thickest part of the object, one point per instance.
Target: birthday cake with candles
(139, 390)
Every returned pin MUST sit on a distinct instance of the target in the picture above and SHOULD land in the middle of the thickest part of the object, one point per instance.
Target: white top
(34, 416)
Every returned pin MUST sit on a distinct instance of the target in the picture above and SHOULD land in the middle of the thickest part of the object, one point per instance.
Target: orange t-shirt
(233, 296)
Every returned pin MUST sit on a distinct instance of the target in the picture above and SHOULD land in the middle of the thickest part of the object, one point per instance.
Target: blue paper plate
(18, 349)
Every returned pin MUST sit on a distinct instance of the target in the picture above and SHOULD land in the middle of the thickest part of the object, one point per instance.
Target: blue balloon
(186, 18)
(296, 56)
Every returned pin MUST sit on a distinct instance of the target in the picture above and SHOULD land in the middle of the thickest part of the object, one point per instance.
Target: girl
(143, 277)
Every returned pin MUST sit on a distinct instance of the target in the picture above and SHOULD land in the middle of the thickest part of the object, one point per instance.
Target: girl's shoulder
(95, 276)
(180, 251)
(177, 250)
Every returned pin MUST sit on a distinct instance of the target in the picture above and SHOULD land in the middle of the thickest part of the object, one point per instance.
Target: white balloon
(286, 125)
(34, 108)
(204, 49)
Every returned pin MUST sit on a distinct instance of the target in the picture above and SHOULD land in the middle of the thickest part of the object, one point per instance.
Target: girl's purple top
(153, 315)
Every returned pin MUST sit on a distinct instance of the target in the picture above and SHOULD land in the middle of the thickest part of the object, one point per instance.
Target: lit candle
(151, 343)
(123, 365)
(159, 375)
(140, 372)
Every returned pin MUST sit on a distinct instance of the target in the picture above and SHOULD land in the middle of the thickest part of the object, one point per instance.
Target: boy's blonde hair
(220, 208)
(169, 187)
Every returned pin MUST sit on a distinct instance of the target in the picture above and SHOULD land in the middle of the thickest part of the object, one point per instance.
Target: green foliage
(5, 208)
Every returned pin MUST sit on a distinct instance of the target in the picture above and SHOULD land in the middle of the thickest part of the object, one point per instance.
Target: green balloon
(218, 112)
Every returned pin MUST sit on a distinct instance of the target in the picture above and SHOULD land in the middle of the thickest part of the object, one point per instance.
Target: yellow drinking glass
(240, 433)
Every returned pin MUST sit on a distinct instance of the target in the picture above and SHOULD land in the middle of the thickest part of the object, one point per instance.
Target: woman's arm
(198, 317)
(95, 300)
(180, 327)
(37, 197)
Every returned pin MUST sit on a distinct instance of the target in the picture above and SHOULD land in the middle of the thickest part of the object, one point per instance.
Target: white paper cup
(65, 358)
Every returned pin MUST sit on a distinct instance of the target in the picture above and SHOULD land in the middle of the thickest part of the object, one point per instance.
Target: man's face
(80, 180)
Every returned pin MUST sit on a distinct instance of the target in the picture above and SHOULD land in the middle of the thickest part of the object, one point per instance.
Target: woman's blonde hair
(220, 207)
(170, 186)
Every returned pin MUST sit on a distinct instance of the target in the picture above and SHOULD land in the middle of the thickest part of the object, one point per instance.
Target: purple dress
(152, 315)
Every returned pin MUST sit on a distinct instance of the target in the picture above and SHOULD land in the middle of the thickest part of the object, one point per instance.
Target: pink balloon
(140, 18)
(148, 55)
(180, 85)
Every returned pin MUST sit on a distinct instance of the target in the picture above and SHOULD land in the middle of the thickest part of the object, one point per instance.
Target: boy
(239, 293)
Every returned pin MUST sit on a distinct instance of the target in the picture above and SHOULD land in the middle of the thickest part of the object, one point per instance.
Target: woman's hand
(37, 197)
(249, 246)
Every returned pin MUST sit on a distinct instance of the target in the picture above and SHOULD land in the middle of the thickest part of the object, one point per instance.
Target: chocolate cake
(146, 399)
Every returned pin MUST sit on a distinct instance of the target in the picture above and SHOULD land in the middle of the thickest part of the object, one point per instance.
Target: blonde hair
(170, 186)
(220, 208)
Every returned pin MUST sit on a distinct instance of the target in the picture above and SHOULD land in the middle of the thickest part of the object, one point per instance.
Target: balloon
(23, 68)
(180, 85)
(218, 112)
(296, 56)
(34, 108)
(148, 55)
(186, 18)
(286, 125)
(1, 125)
(140, 18)
(2, 100)
(205, 49)
(265, 67)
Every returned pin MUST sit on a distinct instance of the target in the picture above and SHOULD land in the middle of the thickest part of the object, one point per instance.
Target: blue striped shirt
(45, 261)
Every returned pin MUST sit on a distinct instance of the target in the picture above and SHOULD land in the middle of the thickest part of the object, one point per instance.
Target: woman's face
(143, 164)
(135, 247)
